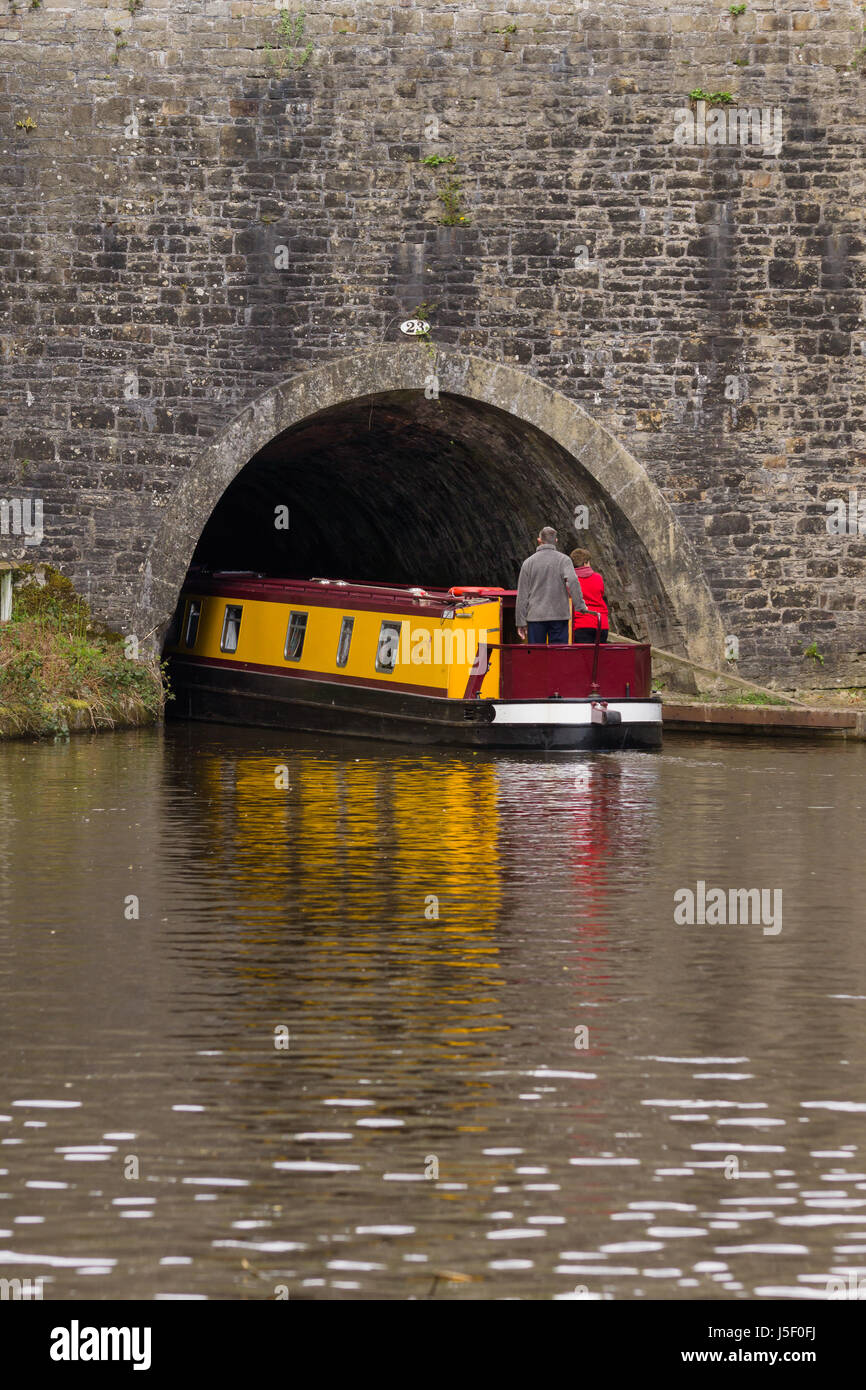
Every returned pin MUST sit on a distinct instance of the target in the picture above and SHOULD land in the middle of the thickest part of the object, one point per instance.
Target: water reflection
(508, 1072)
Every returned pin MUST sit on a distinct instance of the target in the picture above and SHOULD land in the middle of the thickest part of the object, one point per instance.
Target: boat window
(172, 637)
(295, 634)
(389, 642)
(193, 613)
(345, 641)
(231, 627)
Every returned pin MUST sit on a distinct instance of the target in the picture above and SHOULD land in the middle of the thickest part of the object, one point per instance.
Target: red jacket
(592, 588)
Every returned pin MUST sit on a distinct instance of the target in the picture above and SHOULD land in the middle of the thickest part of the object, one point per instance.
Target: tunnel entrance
(395, 488)
(351, 472)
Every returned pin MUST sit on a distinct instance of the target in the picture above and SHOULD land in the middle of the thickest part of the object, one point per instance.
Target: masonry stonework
(193, 219)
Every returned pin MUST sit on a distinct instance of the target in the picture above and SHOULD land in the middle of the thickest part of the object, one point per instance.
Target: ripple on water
(698, 1061)
(362, 1266)
(724, 1076)
(646, 1204)
(312, 1165)
(546, 1074)
(384, 1230)
(15, 1257)
(710, 1104)
(788, 1291)
(218, 1182)
(842, 1219)
(605, 1161)
(849, 1106)
(88, 1149)
(733, 1147)
(323, 1135)
(50, 1104)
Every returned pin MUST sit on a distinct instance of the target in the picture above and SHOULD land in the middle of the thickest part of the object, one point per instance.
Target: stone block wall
(704, 302)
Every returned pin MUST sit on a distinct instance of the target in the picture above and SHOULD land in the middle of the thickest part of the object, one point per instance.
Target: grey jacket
(546, 580)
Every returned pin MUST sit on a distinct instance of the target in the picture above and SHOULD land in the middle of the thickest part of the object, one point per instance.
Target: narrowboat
(396, 662)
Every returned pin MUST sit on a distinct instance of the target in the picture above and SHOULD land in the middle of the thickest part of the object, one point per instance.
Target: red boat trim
(431, 691)
(301, 593)
(324, 598)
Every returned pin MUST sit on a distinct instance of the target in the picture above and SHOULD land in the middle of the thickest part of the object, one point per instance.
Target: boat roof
(332, 593)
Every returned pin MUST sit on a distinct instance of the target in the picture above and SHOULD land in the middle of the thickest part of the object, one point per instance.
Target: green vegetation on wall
(55, 659)
(290, 34)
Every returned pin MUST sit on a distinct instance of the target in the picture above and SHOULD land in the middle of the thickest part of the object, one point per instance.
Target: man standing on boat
(546, 580)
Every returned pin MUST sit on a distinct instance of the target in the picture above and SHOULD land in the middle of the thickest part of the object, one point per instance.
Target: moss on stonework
(62, 671)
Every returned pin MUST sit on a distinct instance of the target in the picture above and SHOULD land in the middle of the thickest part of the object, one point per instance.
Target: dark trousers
(554, 633)
(587, 634)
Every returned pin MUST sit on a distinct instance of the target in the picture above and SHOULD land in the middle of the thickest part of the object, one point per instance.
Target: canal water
(327, 1019)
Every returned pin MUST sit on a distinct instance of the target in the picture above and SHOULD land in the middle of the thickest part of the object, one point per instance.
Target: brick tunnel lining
(395, 488)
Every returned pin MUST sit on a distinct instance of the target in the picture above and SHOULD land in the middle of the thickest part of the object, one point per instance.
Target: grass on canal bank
(840, 698)
(61, 671)
(748, 698)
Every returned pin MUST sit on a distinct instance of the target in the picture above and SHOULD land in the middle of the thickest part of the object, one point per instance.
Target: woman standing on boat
(592, 588)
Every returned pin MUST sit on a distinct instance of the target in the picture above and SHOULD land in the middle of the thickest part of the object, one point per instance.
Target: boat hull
(232, 695)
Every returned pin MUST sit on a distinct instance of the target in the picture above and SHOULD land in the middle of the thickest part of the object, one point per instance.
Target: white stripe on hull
(575, 712)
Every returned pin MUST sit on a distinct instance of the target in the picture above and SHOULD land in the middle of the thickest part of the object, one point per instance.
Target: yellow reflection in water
(374, 842)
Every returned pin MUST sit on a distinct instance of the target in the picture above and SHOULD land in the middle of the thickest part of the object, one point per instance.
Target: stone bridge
(646, 308)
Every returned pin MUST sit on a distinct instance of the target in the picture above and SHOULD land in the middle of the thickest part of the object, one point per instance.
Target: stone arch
(631, 508)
